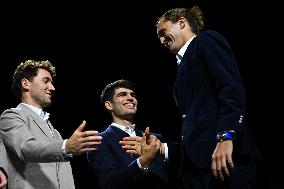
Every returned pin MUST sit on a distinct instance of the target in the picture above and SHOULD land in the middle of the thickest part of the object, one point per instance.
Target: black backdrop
(92, 44)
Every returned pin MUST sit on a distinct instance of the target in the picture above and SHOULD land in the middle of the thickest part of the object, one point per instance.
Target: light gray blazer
(34, 156)
(3, 159)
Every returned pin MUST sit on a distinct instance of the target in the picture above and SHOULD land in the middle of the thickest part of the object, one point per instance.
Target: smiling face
(39, 90)
(123, 105)
(170, 35)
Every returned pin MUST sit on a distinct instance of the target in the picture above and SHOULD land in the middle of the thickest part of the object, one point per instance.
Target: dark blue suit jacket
(211, 97)
(115, 168)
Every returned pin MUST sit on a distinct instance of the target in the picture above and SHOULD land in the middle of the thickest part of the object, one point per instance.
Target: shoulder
(210, 37)
(209, 34)
(12, 112)
(13, 115)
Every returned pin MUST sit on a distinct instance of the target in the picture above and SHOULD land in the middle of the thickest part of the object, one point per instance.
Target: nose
(130, 98)
(162, 40)
(51, 87)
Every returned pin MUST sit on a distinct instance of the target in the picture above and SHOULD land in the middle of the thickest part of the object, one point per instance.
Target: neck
(31, 102)
(123, 122)
(188, 36)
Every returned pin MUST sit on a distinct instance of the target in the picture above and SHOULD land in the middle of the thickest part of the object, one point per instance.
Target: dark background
(94, 43)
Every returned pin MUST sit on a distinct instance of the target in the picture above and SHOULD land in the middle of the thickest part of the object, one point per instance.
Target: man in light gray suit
(37, 156)
(3, 166)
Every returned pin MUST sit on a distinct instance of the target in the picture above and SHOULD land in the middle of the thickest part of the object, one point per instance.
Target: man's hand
(222, 160)
(132, 145)
(82, 141)
(150, 147)
(3, 180)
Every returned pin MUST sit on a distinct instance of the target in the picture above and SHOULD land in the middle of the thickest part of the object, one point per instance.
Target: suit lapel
(116, 132)
(117, 135)
(38, 121)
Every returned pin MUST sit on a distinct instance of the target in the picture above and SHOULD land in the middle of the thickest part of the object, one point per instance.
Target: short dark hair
(28, 70)
(108, 92)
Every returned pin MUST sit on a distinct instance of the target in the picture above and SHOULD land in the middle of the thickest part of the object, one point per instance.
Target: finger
(219, 169)
(225, 170)
(147, 134)
(92, 139)
(89, 133)
(127, 143)
(82, 126)
(130, 138)
(90, 145)
(128, 147)
(131, 152)
(214, 168)
(230, 162)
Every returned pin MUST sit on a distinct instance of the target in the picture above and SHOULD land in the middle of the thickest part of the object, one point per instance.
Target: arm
(223, 70)
(21, 135)
(226, 80)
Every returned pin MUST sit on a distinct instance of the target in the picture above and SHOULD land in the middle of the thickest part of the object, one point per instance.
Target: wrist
(162, 148)
(65, 153)
(142, 166)
(144, 162)
(226, 135)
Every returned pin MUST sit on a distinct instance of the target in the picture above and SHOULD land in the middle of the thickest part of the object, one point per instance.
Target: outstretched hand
(82, 141)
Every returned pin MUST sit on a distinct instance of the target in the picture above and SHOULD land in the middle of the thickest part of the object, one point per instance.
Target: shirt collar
(182, 50)
(129, 130)
(44, 115)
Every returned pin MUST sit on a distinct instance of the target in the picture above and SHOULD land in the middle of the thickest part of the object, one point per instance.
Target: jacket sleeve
(3, 158)
(223, 69)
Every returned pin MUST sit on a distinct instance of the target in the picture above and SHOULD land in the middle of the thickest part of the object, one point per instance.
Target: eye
(133, 94)
(45, 80)
(162, 33)
(122, 94)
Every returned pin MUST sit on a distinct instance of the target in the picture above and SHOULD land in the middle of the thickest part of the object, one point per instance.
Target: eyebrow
(124, 93)
(48, 79)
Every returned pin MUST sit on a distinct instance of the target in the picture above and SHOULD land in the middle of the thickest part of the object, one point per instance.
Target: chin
(46, 104)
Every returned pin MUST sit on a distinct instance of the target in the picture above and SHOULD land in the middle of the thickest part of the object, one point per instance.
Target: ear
(108, 105)
(182, 22)
(25, 83)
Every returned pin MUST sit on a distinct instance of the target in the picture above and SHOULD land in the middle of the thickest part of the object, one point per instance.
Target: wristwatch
(226, 135)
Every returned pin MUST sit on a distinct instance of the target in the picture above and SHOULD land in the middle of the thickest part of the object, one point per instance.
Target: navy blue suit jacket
(211, 97)
(114, 168)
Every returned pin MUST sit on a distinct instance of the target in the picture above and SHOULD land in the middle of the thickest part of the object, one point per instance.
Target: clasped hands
(146, 147)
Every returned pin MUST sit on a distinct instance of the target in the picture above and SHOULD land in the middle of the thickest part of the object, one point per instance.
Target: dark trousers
(241, 177)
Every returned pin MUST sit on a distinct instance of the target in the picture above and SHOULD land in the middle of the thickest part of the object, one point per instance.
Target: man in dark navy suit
(114, 167)
(217, 147)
